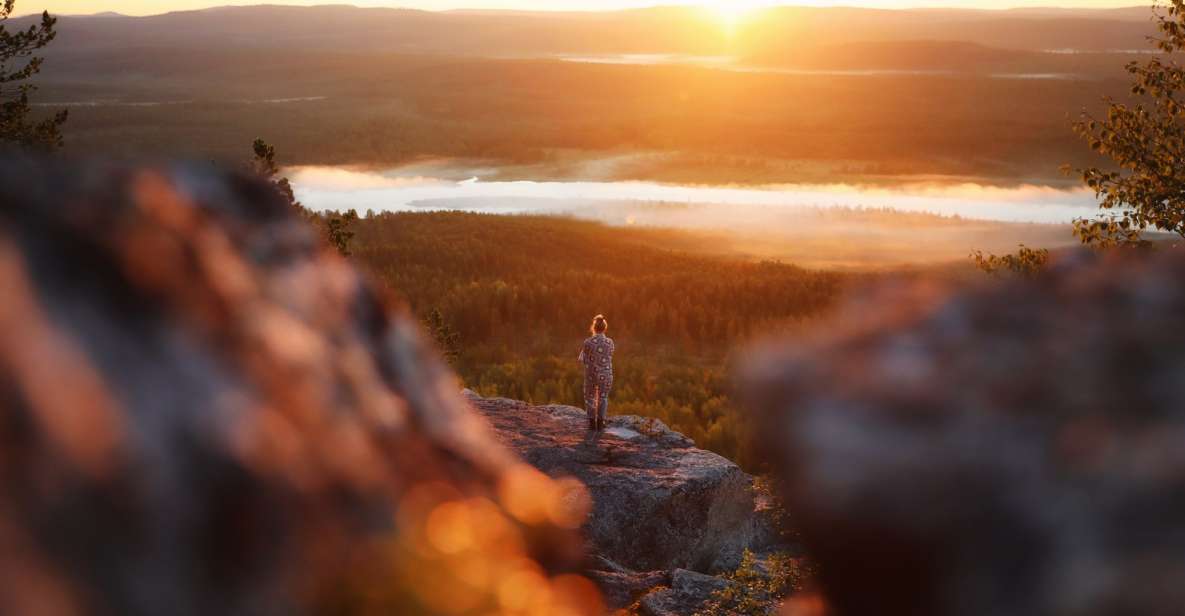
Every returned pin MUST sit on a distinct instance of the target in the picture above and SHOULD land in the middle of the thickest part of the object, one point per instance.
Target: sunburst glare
(733, 13)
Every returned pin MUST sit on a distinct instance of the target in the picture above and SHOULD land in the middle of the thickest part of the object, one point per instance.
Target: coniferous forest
(514, 296)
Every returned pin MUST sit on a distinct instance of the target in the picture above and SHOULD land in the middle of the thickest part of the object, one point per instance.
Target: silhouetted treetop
(17, 65)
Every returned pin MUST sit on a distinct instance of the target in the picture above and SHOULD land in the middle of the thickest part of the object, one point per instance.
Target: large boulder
(1013, 448)
(204, 410)
(658, 502)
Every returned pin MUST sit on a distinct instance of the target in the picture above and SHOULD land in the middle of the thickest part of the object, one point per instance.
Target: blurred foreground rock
(1017, 448)
(205, 411)
(659, 504)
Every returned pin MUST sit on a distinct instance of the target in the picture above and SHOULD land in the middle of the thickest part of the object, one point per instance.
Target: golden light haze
(733, 7)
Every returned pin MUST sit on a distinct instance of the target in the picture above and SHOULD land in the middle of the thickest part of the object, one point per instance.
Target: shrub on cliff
(758, 587)
(1027, 262)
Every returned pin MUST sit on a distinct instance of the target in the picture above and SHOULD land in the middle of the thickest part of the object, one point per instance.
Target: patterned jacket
(597, 356)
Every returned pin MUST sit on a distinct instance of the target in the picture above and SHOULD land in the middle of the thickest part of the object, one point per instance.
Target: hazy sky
(147, 7)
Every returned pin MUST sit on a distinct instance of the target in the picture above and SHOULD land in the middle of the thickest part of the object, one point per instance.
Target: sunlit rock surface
(1012, 449)
(658, 503)
(686, 594)
(205, 411)
(622, 589)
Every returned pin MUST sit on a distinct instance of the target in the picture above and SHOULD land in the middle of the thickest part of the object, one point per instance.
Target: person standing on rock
(597, 357)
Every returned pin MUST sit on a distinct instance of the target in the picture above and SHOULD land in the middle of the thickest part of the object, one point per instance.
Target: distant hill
(683, 30)
(788, 29)
(343, 28)
(817, 94)
(1134, 13)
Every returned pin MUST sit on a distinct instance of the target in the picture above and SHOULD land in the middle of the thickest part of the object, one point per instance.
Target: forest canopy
(518, 293)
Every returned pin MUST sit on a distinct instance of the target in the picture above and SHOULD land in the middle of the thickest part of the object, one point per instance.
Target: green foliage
(1027, 262)
(337, 230)
(1146, 140)
(17, 66)
(446, 338)
(520, 290)
(1109, 231)
(757, 588)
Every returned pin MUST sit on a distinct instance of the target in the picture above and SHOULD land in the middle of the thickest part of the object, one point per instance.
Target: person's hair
(599, 325)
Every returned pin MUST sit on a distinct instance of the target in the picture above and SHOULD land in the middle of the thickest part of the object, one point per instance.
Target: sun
(733, 12)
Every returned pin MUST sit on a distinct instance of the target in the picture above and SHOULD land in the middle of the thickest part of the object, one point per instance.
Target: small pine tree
(337, 229)
(17, 66)
(264, 165)
(337, 226)
(447, 339)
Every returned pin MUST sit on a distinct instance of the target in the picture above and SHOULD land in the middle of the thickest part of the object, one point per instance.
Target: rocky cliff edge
(661, 509)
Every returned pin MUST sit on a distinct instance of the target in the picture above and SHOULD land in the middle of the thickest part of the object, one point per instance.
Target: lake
(463, 188)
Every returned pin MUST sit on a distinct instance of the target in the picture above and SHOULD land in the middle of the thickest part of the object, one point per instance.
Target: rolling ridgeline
(519, 292)
(815, 95)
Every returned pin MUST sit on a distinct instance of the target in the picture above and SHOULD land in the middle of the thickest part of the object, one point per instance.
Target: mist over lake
(822, 225)
(396, 189)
